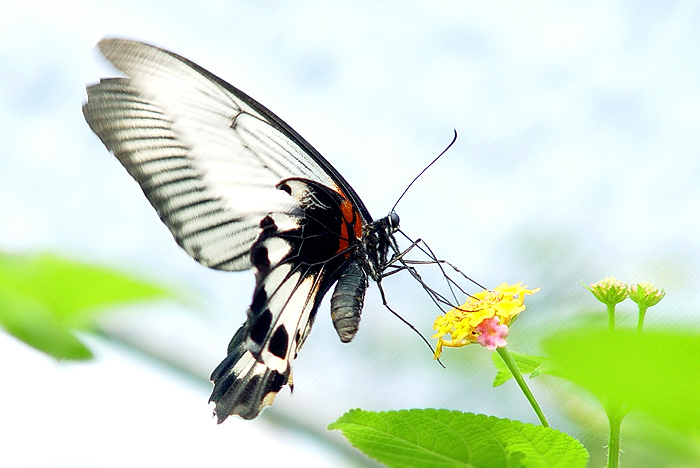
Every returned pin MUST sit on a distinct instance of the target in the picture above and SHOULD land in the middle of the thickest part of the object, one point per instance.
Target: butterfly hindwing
(295, 260)
(242, 384)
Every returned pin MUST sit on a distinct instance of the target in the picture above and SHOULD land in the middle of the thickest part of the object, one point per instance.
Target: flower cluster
(645, 294)
(484, 318)
(609, 290)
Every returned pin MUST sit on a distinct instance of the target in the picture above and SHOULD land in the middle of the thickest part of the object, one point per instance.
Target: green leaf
(657, 372)
(526, 363)
(72, 289)
(441, 438)
(32, 322)
(44, 298)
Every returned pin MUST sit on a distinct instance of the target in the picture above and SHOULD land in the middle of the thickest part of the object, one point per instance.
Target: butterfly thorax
(378, 238)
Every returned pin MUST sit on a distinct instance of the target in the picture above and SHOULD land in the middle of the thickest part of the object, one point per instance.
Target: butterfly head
(392, 222)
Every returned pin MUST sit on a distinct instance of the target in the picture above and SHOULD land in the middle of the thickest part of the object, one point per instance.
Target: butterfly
(238, 188)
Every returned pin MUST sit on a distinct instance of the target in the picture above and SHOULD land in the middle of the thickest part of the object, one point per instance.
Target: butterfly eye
(393, 221)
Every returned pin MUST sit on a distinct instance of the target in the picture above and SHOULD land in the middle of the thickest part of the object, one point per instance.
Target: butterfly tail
(242, 385)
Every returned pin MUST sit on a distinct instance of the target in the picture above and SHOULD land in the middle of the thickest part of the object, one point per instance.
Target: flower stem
(611, 317)
(642, 313)
(615, 415)
(513, 367)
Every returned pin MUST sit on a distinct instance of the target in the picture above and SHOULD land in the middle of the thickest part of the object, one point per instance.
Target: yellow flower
(503, 303)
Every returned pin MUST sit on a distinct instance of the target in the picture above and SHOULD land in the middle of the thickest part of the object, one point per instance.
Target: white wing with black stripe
(207, 157)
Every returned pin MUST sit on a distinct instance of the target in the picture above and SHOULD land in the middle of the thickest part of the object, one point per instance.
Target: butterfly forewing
(218, 121)
(178, 130)
(237, 187)
(142, 137)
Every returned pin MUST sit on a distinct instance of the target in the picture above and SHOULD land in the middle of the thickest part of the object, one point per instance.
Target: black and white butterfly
(238, 188)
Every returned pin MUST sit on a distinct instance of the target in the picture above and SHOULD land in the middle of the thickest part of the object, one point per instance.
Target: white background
(577, 158)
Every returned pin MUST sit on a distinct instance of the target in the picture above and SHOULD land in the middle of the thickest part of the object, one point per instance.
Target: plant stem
(611, 317)
(513, 367)
(642, 313)
(615, 415)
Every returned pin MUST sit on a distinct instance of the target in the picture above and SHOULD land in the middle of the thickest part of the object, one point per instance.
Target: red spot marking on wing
(352, 223)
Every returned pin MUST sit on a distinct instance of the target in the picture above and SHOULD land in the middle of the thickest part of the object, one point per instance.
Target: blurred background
(577, 158)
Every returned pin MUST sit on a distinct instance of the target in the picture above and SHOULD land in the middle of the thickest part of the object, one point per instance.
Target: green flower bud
(646, 294)
(609, 291)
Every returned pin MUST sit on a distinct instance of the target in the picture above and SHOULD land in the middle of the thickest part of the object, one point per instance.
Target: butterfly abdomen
(347, 300)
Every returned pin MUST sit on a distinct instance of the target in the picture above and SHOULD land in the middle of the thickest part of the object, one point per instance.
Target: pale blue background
(577, 158)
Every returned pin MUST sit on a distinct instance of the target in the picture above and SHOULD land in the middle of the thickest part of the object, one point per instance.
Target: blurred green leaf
(443, 438)
(526, 363)
(44, 298)
(657, 372)
(32, 322)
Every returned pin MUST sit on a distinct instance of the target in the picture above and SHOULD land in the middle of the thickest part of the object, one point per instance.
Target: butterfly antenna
(425, 169)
